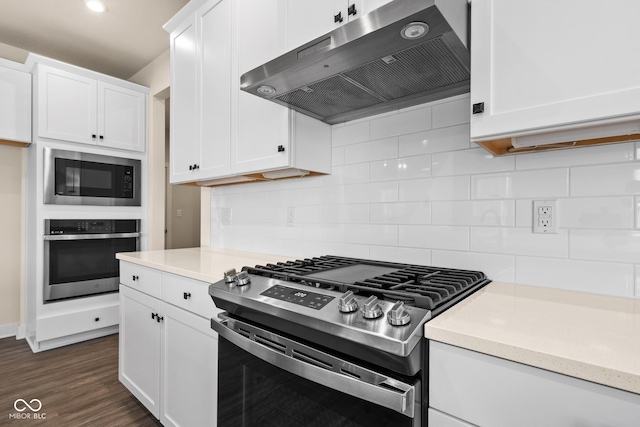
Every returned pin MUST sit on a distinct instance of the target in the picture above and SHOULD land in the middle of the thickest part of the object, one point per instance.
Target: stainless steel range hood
(372, 65)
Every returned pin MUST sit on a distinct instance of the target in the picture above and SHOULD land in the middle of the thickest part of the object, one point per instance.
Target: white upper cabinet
(76, 108)
(309, 19)
(221, 134)
(200, 94)
(261, 137)
(547, 66)
(15, 103)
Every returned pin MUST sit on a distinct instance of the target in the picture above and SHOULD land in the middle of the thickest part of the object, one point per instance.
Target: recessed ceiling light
(95, 5)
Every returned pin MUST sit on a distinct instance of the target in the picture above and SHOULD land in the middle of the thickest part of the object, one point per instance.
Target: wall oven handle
(317, 366)
(90, 236)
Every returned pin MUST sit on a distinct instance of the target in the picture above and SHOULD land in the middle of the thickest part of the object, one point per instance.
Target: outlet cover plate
(545, 216)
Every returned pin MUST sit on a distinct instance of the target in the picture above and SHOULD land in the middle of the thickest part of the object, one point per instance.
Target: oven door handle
(317, 366)
(90, 236)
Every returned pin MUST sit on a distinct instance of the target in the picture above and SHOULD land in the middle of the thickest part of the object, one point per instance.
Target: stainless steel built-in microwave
(75, 178)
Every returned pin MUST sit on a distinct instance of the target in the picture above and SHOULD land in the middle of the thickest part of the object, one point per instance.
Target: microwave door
(72, 174)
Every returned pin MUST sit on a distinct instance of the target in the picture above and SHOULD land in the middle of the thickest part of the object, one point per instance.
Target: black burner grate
(422, 286)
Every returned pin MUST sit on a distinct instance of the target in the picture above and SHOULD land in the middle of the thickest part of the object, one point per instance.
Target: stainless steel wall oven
(76, 178)
(79, 255)
(329, 341)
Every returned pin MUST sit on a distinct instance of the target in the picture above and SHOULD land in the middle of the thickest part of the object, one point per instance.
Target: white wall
(410, 187)
(12, 237)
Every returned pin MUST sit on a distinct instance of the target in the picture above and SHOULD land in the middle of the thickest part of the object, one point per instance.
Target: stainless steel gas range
(329, 341)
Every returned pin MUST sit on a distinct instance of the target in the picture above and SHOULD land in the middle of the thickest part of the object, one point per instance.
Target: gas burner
(415, 285)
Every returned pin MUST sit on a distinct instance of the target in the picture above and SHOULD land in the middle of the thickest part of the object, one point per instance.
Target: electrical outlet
(291, 217)
(545, 216)
(179, 213)
(225, 217)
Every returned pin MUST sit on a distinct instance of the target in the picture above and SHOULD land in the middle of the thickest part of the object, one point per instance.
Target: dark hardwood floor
(77, 385)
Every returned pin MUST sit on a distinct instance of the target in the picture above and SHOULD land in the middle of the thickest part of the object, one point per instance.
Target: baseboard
(37, 347)
(9, 330)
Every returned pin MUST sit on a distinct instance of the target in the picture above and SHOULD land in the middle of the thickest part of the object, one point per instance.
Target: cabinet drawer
(192, 295)
(74, 323)
(143, 279)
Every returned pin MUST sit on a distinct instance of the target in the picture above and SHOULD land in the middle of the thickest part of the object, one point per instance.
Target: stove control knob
(242, 278)
(347, 303)
(230, 276)
(371, 309)
(398, 315)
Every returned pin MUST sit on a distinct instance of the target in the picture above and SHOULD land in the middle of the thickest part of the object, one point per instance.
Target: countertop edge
(602, 375)
(168, 269)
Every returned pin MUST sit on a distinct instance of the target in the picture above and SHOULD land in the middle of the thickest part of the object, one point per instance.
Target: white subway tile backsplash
(370, 234)
(345, 214)
(386, 191)
(583, 276)
(519, 241)
(435, 141)
(499, 268)
(285, 197)
(584, 156)
(371, 150)
(308, 214)
(404, 122)
(402, 255)
(408, 186)
(324, 195)
(605, 245)
(549, 183)
(337, 156)
(476, 212)
(350, 134)
(397, 169)
(434, 237)
(400, 213)
(447, 188)
(451, 113)
(465, 162)
(596, 212)
(606, 180)
(347, 174)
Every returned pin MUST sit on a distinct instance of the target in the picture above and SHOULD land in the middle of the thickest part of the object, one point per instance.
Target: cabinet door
(190, 369)
(260, 136)
(121, 117)
(139, 359)
(67, 106)
(184, 100)
(15, 105)
(214, 26)
(578, 66)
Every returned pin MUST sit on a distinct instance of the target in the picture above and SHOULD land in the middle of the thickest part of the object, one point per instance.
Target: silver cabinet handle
(317, 366)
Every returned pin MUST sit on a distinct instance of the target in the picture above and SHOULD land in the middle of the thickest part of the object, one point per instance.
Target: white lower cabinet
(470, 388)
(168, 355)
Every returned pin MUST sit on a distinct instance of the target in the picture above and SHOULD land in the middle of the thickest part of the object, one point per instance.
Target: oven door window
(252, 392)
(80, 260)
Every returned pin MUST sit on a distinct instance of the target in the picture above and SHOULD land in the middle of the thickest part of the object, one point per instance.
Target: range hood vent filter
(329, 97)
(368, 67)
(418, 69)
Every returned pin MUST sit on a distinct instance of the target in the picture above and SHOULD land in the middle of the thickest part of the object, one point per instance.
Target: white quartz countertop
(205, 264)
(587, 336)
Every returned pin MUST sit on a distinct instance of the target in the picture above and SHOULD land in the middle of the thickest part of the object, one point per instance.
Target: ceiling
(119, 42)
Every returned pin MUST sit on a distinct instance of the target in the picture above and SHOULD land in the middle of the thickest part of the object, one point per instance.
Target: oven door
(265, 379)
(82, 265)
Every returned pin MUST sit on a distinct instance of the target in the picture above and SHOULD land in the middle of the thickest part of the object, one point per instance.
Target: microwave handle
(303, 361)
(90, 236)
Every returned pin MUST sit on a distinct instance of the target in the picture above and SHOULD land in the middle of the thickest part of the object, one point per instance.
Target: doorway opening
(182, 203)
